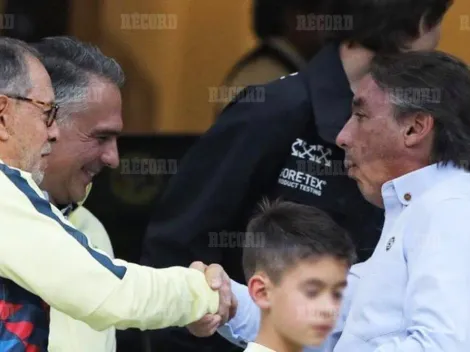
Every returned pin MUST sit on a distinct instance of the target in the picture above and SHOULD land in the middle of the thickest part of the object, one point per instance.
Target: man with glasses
(45, 261)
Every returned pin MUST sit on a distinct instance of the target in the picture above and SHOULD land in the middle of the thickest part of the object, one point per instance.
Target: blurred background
(179, 56)
(188, 47)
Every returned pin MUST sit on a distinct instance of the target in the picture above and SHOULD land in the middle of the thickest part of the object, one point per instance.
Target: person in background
(287, 40)
(44, 260)
(296, 275)
(283, 145)
(87, 87)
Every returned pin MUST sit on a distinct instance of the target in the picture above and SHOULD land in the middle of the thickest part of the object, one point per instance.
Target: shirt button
(407, 197)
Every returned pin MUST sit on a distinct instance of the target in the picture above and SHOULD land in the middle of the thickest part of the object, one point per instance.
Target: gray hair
(72, 66)
(433, 83)
(14, 72)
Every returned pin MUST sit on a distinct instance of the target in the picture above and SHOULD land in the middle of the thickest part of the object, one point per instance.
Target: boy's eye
(311, 293)
(338, 295)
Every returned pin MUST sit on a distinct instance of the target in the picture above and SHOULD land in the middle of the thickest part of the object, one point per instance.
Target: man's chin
(78, 195)
(37, 176)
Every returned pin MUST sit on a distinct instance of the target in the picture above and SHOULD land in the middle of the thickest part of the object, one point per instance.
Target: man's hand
(217, 279)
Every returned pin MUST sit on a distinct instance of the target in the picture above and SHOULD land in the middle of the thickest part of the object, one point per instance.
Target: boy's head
(298, 275)
(388, 26)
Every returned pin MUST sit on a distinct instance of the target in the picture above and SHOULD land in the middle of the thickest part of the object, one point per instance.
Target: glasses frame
(51, 108)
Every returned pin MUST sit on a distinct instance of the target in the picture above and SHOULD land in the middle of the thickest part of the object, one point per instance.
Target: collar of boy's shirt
(256, 347)
(404, 189)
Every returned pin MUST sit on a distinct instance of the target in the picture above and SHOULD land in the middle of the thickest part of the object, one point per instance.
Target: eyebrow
(106, 132)
(316, 282)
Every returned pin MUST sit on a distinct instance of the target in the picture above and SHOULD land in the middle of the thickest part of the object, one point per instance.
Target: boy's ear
(259, 287)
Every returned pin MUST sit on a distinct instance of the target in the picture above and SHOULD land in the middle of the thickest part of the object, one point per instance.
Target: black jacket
(274, 140)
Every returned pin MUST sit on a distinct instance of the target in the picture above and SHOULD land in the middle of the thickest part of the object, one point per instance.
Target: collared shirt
(413, 293)
(256, 347)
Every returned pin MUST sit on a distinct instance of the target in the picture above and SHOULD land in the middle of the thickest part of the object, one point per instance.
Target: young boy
(296, 276)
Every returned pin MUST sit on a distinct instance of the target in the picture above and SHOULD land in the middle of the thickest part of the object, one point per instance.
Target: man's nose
(342, 139)
(110, 157)
(53, 132)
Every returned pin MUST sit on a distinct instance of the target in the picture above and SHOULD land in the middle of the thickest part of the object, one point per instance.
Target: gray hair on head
(73, 65)
(14, 71)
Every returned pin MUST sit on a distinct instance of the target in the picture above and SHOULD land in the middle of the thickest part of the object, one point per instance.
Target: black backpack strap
(264, 50)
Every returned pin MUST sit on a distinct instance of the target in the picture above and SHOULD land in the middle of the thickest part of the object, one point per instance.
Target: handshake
(217, 279)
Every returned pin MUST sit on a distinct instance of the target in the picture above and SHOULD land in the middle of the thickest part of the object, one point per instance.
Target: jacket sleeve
(219, 179)
(43, 253)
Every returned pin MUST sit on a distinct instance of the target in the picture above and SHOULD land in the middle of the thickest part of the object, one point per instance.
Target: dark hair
(293, 232)
(386, 25)
(433, 83)
(268, 15)
(14, 72)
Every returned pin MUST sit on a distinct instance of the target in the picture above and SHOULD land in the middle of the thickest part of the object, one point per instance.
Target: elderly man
(407, 146)
(86, 85)
(44, 260)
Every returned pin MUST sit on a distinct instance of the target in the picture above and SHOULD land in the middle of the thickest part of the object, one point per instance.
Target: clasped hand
(217, 279)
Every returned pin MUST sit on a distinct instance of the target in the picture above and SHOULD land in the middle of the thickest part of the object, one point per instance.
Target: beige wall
(456, 30)
(170, 70)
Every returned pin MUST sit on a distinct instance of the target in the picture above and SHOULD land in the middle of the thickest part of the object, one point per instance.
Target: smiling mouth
(90, 174)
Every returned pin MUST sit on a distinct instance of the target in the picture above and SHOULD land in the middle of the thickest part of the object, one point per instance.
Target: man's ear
(5, 118)
(417, 128)
(259, 287)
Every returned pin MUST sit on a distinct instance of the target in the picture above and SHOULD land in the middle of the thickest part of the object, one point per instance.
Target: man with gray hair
(87, 88)
(44, 260)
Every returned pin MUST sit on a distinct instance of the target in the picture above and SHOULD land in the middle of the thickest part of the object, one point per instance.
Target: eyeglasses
(50, 109)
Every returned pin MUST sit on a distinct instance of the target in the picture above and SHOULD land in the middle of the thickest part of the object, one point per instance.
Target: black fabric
(282, 147)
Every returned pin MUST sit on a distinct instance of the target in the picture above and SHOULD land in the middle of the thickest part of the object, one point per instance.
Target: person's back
(282, 49)
(295, 275)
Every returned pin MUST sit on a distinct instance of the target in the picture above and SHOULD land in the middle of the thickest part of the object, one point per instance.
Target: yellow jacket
(42, 254)
(68, 334)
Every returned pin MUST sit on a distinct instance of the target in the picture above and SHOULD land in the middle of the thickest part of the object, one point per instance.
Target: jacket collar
(330, 92)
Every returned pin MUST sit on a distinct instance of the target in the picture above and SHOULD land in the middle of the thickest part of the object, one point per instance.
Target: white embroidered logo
(316, 153)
